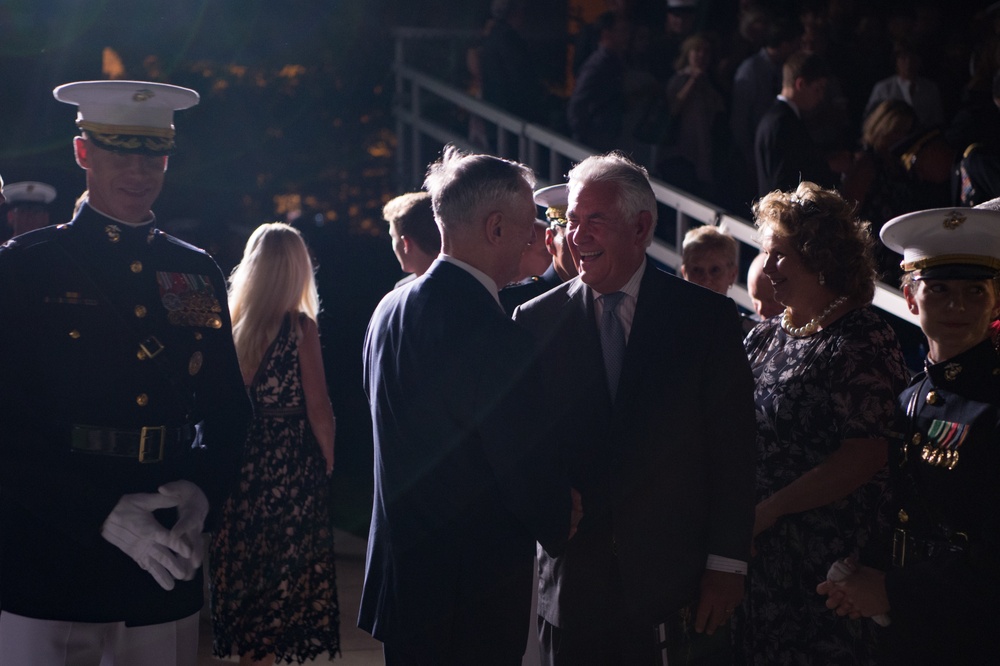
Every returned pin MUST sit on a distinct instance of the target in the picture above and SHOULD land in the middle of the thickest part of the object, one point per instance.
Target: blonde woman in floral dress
(274, 594)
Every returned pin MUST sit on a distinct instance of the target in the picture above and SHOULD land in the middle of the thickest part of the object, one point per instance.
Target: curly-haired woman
(827, 372)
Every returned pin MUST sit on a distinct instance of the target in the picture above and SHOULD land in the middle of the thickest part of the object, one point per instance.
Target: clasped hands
(856, 591)
(168, 555)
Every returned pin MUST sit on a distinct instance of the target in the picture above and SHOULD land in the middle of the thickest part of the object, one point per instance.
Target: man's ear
(911, 302)
(643, 226)
(550, 241)
(407, 245)
(80, 152)
(494, 227)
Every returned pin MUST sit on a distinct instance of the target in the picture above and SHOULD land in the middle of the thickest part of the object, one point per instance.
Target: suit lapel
(647, 339)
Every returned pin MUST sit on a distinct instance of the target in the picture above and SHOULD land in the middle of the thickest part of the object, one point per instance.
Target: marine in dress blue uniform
(119, 389)
(27, 205)
(942, 577)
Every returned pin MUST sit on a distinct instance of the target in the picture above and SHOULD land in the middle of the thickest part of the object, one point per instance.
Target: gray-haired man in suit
(658, 414)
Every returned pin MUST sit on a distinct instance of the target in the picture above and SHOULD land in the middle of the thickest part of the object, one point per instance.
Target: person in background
(505, 62)
(274, 591)
(695, 107)
(122, 409)
(979, 165)
(761, 291)
(876, 179)
(906, 84)
(709, 258)
(27, 206)
(464, 483)
(785, 152)
(535, 260)
(416, 240)
(597, 105)
(941, 584)
(827, 372)
(561, 266)
(756, 81)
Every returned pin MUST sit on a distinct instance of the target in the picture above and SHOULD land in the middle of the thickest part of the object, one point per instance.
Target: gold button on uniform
(142, 400)
(932, 397)
(136, 266)
(903, 516)
(194, 364)
(140, 311)
(197, 335)
(75, 334)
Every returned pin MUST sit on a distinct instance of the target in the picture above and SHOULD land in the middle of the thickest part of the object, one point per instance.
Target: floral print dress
(812, 393)
(273, 581)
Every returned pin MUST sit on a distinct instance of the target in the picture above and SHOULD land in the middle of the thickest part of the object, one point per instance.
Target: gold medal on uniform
(943, 441)
(189, 299)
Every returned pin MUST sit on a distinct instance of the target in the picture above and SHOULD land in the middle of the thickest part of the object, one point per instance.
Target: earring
(822, 279)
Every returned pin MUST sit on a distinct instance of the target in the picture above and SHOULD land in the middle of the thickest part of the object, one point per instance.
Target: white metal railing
(430, 113)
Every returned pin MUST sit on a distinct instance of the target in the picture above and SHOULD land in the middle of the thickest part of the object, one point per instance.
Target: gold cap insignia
(954, 220)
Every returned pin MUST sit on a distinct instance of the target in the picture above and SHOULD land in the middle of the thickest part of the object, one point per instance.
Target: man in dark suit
(663, 455)
(784, 151)
(463, 485)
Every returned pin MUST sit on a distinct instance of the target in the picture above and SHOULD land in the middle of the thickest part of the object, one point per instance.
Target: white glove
(192, 507)
(132, 528)
(840, 570)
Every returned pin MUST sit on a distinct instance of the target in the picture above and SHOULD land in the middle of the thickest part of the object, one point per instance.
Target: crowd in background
(908, 116)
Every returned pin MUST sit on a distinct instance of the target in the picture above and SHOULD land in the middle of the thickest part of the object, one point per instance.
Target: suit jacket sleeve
(524, 460)
(730, 434)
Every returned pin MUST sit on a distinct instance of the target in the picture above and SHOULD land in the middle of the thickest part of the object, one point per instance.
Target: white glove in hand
(840, 570)
(186, 536)
(132, 528)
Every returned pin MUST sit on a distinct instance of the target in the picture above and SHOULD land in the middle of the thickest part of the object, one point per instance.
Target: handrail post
(397, 100)
(416, 167)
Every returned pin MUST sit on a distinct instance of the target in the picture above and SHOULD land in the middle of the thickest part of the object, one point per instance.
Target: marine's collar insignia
(951, 371)
(113, 232)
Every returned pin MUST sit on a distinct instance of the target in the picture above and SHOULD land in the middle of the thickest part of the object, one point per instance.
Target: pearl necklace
(812, 325)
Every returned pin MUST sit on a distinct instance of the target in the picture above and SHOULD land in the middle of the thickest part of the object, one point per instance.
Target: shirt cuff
(719, 563)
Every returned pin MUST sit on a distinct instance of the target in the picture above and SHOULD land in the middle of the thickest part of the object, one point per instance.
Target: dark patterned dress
(811, 394)
(274, 586)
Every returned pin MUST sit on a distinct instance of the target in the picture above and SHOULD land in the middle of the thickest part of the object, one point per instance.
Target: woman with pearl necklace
(827, 372)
